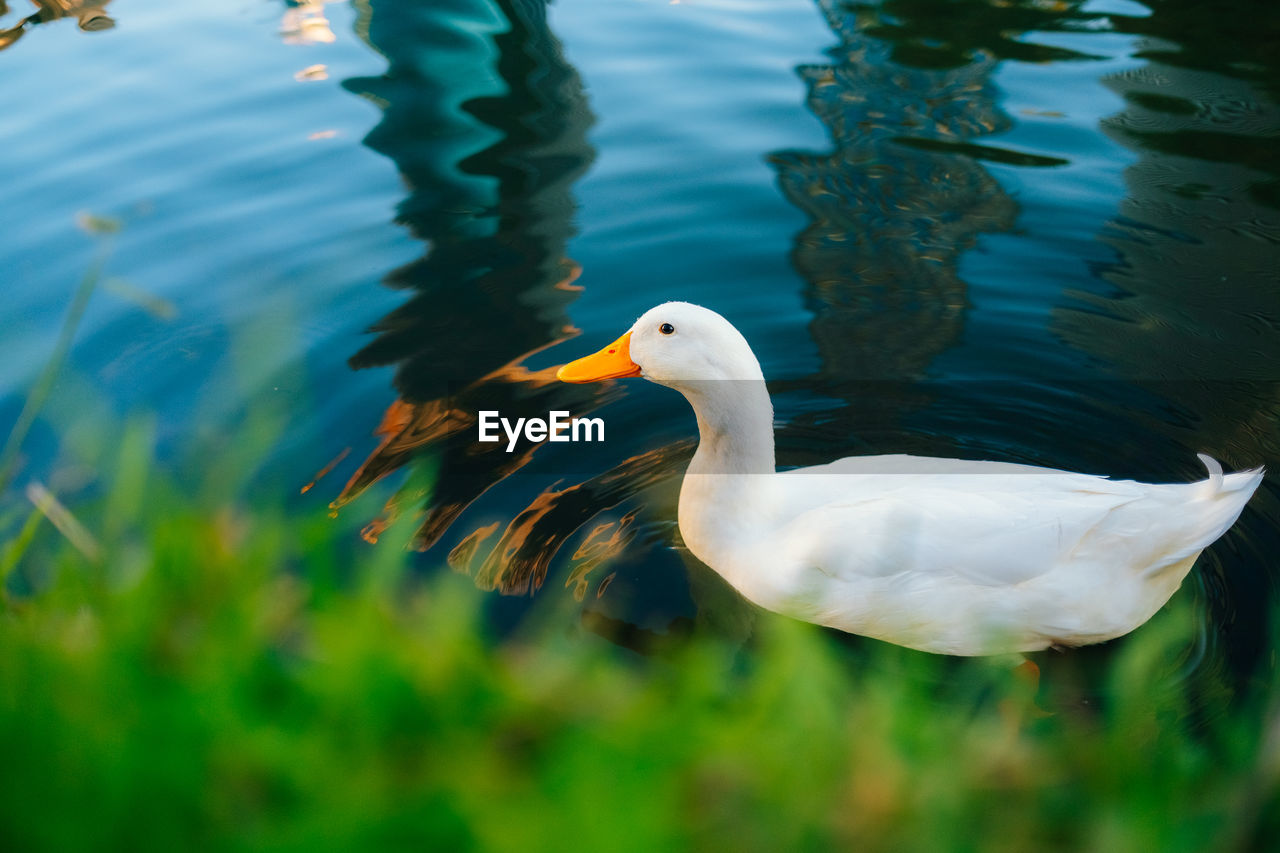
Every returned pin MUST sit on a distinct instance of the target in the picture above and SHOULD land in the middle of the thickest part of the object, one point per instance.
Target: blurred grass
(219, 672)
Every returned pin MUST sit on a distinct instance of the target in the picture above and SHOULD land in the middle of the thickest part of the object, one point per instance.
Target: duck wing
(990, 529)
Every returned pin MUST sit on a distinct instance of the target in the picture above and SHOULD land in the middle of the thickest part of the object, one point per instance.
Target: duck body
(943, 555)
(956, 558)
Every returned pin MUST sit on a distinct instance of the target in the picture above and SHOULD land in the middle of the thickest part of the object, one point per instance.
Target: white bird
(943, 555)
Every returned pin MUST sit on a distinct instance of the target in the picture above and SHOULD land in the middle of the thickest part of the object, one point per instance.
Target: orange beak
(612, 362)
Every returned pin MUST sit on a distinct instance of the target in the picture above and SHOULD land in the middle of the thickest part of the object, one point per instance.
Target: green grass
(226, 676)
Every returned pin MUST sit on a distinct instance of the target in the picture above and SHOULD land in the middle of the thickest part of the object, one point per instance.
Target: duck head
(676, 344)
(700, 354)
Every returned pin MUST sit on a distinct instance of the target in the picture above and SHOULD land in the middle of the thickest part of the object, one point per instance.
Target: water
(1035, 231)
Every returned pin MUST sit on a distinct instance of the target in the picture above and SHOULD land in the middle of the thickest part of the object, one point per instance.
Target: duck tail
(1214, 506)
(1219, 484)
(1214, 467)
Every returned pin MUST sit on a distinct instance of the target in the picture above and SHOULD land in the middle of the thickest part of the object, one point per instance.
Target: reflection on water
(304, 22)
(487, 124)
(90, 15)
(889, 221)
(892, 207)
(518, 561)
(1196, 237)
(930, 33)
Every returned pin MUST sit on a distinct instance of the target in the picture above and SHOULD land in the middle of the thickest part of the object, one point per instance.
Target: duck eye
(667, 329)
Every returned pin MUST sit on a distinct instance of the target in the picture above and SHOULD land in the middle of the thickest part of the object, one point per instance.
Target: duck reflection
(487, 123)
(90, 15)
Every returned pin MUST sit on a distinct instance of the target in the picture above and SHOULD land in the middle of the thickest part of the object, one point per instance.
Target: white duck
(943, 555)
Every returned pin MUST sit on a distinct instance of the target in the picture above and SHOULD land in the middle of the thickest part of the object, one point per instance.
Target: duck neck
(735, 427)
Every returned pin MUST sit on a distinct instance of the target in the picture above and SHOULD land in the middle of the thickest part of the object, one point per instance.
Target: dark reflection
(487, 123)
(1197, 236)
(90, 15)
(1188, 309)
(1231, 38)
(948, 34)
(892, 207)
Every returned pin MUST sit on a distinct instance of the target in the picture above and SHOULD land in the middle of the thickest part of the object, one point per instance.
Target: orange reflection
(597, 549)
(90, 15)
(324, 472)
(517, 564)
(447, 427)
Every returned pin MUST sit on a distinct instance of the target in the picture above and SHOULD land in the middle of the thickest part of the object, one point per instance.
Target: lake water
(1031, 230)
